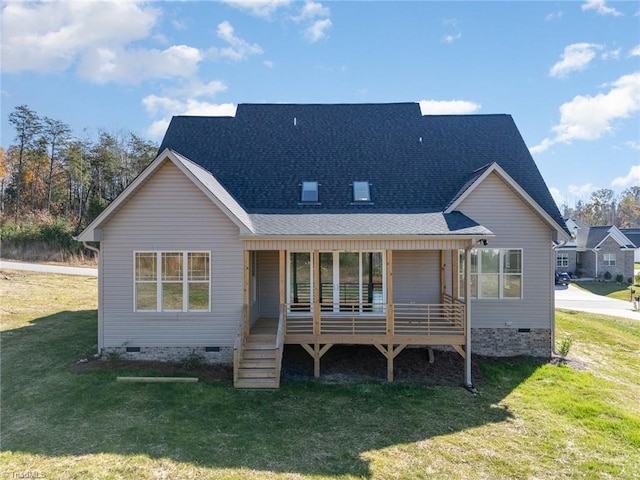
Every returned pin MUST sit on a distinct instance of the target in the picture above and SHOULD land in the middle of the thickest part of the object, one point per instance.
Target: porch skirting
(172, 354)
(510, 342)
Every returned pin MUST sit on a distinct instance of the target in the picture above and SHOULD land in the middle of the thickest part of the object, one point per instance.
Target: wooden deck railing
(409, 319)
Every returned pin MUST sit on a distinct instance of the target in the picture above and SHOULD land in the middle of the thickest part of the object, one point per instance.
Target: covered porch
(350, 293)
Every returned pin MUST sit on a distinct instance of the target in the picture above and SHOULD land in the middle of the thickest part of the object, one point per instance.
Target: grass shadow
(305, 427)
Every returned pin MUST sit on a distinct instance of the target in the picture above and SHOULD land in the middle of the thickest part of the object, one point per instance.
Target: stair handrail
(280, 342)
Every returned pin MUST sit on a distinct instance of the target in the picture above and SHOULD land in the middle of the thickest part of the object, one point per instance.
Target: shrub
(607, 275)
(619, 278)
(565, 346)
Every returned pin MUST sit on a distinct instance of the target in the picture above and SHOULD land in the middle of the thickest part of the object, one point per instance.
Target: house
(319, 225)
(633, 234)
(596, 250)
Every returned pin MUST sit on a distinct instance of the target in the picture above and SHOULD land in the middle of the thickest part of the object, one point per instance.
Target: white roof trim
(200, 177)
(495, 168)
(620, 238)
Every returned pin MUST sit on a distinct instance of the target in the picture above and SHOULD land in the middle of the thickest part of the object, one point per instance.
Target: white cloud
(449, 39)
(317, 30)
(581, 191)
(310, 11)
(448, 107)
(574, 58)
(588, 118)
(635, 51)
(169, 107)
(268, 63)
(600, 7)
(259, 8)
(554, 15)
(104, 65)
(557, 195)
(612, 54)
(51, 36)
(632, 178)
(633, 144)
(238, 48)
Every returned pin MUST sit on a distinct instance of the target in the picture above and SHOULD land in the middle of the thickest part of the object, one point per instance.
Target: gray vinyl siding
(416, 276)
(268, 283)
(516, 225)
(171, 213)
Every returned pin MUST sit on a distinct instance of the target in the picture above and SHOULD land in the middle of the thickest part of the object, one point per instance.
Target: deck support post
(443, 275)
(282, 263)
(454, 274)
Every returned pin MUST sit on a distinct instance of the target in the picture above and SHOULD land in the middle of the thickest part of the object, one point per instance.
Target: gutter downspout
(468, 383)
(552, 314)
(100, 322)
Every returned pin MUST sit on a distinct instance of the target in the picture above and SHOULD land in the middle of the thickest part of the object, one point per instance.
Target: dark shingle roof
(414, 163)
(632, 234)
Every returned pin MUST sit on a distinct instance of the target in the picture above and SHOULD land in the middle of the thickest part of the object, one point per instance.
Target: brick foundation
(172, 354)
(509, 342)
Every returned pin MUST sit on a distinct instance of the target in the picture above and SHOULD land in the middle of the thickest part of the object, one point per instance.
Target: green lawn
(609, 289)
(530, 420)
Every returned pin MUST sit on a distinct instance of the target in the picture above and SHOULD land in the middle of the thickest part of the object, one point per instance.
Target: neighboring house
(633, 234)
(593, 251)
(319, 225)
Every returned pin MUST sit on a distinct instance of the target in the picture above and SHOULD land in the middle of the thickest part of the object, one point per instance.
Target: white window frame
(159, 282)
(609, 259)
(501, 274)
(562, 259)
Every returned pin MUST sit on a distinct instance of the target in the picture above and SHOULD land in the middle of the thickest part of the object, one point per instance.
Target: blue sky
(567, 71)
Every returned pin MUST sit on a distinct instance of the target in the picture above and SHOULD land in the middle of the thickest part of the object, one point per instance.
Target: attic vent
(309, 192)
(361, 192)
(295, 121)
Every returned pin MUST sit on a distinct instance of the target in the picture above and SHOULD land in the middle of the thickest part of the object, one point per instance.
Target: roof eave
(494, 167)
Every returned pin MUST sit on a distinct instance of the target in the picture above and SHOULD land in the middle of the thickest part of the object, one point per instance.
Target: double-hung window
(562, 259)
(172, 281)
(609, 259)
(495, 273)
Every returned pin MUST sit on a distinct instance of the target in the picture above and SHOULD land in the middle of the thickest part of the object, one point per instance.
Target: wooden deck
(390, 328)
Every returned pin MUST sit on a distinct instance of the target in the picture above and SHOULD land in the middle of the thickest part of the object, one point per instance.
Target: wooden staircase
(258, 364)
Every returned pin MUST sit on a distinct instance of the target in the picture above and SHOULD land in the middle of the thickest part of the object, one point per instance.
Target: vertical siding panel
(516, 225)
(170, 213)
(416, 276)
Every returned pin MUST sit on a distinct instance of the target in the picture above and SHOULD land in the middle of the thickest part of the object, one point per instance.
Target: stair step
(259, 346)
(259, 337)
(256, 383)
(256, 372)
(258, 363)
(249, 354)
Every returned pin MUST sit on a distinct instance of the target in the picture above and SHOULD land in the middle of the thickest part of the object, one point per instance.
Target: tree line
(51, 171)
(605, 208)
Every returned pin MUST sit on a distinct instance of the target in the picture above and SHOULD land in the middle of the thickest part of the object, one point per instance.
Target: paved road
(573, 298)
(36, 267)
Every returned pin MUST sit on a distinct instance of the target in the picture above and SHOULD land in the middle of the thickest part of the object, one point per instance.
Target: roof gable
(200, 177)
(413, 163)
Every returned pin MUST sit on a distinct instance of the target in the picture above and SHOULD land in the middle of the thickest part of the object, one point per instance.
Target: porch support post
(443, 275)
(454, 274)
(247, 263)
(282, 261)
(467, 304)
(390, 322)
(316, 294)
